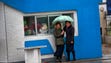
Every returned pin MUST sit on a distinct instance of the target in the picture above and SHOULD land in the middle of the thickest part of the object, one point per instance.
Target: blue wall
(88, 43)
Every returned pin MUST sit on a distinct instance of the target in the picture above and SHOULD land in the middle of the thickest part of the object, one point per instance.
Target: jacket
(69, 34)
(58, 37)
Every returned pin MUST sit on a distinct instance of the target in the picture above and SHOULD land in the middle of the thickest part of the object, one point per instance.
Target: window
(35, 24)
(29, 25)
(108, 29)
(42, 24)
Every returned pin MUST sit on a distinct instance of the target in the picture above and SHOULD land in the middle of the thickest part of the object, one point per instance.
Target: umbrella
(62, 18)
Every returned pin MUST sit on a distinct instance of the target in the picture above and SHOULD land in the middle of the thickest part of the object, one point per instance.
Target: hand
(62, 32)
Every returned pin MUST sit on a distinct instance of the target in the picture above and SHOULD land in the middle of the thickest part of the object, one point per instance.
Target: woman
(69, 29)
(58, 41)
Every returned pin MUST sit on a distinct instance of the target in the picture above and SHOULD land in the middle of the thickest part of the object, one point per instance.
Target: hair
(58, 23)
(68, 22)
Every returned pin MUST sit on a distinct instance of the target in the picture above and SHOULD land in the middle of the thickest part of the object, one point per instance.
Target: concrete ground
(100, 60)
(105, 59)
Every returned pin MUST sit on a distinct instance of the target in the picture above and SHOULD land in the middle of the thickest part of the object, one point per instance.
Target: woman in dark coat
(69, 29)
(58, 41)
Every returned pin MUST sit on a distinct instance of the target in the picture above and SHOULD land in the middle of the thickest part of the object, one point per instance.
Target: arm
(64, 29)
(58, 35)
(72, 35)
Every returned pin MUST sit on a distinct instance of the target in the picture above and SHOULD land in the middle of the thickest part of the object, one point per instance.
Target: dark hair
(58, 23)
(67, 21)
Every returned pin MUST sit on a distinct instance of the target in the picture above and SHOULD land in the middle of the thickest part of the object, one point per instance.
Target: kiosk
(20, 21)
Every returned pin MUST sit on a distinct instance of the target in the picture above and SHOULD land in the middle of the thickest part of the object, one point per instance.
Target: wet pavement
(101, 60)
(106, 48)
(85, 61)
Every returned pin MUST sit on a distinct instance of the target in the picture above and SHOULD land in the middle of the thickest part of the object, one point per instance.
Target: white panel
(104, 0)
(15, 34)
(76, 24)
(3, 49)
(32, 56)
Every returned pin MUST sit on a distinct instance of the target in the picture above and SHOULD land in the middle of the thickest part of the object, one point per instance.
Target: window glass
(51, 18)
(68, 14)
(42, 25)
(108, 27)
(29, 25)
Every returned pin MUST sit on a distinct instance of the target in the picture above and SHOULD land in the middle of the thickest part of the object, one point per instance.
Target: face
(58, 26)
(68, 24)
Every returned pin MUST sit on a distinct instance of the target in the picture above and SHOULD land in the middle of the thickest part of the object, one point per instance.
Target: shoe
(60, 60)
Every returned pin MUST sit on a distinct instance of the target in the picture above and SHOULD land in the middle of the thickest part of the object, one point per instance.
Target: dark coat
(69, 34)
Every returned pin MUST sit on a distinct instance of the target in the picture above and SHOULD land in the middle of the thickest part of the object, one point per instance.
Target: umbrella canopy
(62, 18)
